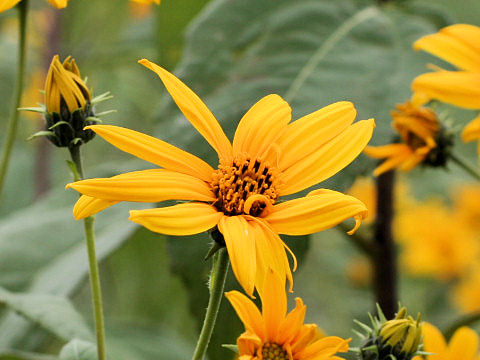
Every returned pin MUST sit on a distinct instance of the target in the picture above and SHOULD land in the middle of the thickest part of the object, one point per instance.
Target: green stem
(88, 225)
(217, 283)
(463, 321)
(13, 121)
(465, 165)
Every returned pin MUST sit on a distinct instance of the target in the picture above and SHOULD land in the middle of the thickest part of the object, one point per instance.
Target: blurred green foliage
(231, 52)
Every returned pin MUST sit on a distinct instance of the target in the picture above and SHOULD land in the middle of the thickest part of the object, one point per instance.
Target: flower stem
(88, 225)
(465, 320)
(465, 165)
(385, 260)
(13, 121)
(217, 283)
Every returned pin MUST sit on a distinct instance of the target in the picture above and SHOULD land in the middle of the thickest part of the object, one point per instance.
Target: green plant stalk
(13, 121)
(88, 224)
(217, 283)
(465, 165)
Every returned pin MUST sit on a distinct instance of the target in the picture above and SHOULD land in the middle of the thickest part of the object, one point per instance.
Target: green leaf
(79, 350)
(53, 313)
(40, 134)
(24, 355)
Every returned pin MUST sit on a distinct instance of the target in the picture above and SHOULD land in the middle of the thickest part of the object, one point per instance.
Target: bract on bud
(396, 339)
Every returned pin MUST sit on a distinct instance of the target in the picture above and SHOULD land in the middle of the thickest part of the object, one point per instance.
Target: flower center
(273, 351)
(245, 187)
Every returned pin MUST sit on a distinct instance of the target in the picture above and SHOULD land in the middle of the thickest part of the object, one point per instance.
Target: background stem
(13, 121)
(217, 283)
(469, 168)
(465, 320)
(88, 224)
(385, 278)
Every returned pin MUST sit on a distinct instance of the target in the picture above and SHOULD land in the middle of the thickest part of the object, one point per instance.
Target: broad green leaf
(55, 314)
(24, 355)
(79, 350)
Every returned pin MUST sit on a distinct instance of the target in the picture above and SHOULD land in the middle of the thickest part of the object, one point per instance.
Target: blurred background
(231, 53)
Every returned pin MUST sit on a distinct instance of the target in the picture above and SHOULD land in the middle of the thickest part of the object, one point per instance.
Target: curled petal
(87, 206)
(316, 212)
(248, 313)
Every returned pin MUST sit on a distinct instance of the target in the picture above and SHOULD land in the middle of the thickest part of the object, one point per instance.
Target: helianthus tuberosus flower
(269, 158)
(435, 241)
(462, 346)
(8, 4)
(147, 2)
(272, 334)
(418, 128)
(458, 45)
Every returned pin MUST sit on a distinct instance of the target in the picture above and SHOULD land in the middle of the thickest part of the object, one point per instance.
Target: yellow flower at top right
(459, 45)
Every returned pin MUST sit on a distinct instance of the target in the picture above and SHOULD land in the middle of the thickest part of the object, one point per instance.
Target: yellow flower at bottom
(147, 2)
(417, 127)
(462, 346)
(275, 335)
(269, 158)
(459, 45)
(8, 4)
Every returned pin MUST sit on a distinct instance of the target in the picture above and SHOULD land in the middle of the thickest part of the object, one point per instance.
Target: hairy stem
(88, 225)
(217, 283)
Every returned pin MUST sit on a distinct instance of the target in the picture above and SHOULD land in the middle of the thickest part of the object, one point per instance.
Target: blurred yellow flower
(269, 158)
(8, 4)
(364, 190)
(466, 294)
(462, 346)
(458, 45)
(65, 90)
(417, 127)
(147, 2)
(275, 335)
(466, 204)
(435, 241)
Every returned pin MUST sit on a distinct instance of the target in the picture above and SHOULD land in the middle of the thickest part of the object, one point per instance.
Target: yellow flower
(462, 346)
(65, 91)
(8, 4)
(269, 158)
(147, 2)
(435, 241)
(275, 335)
(467, 205)
(458, 45)
(466, 294)
(417, 127)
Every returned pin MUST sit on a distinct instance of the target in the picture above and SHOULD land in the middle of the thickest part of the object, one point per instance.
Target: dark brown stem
(43, 147)
(385, 281)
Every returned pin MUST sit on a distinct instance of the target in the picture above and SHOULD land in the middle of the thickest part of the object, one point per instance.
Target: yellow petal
(154, 150)
(240, 241)
(261, 126)
(457, 44)
(463, 344)
(309, 133)
(248, 313)
(307, 334)
(459, 88)
(59, 4)
(324, 348)
(86, 206)
(181, 219)
(433, 340)
(194, 110)
(314, 213)
(471, 132)
(380, 152)
(247, 344)
(146, 186)
(270, 254)
(293, 323)
(416, 158)
(329, 159)
(7, 4)
(274, 304)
